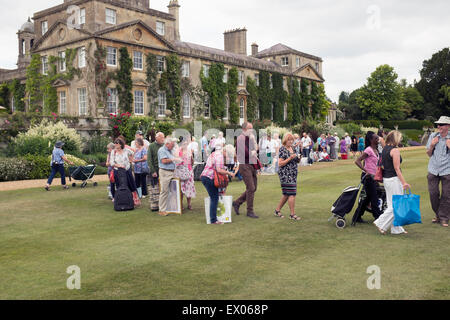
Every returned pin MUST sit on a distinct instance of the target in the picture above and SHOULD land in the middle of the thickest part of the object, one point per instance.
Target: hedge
(402, 124)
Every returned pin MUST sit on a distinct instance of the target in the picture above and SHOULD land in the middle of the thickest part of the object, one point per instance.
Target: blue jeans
(55, 169)
(306, 153)
(214, 195)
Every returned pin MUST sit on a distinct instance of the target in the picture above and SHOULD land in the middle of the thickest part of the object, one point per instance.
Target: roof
(27, 26)
(284, 49)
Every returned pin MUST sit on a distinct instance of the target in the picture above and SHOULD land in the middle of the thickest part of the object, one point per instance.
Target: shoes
(236, 208)
(252, 215)
(47, 188)
(163, 214)
(218, 222)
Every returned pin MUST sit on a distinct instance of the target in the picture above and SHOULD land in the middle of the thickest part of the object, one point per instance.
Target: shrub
(352, 128)
(13, 169)
(35, 145)
(53, 132)
(39, 165)
(96, 144)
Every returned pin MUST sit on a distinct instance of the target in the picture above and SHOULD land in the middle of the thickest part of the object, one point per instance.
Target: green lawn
(140, 255)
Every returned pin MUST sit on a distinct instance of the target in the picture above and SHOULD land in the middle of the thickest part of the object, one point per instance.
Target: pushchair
(382, 204)
(345, 203)
(84, 174)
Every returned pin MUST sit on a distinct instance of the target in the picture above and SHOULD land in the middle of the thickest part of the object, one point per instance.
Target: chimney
(254, 49)
(174, 9)
(236, 41)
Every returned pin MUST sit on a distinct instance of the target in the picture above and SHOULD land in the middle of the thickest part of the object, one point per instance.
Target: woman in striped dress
(288, 172)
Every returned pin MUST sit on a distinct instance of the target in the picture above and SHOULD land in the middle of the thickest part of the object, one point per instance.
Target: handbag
(111, 177)
(379, 174)
(406, 209)
(182, 172)
(136, 200)
(220, 180)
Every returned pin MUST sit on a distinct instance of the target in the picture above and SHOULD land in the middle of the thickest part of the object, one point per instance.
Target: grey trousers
(440, 201)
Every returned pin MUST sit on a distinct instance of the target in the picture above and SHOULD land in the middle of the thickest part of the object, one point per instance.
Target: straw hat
(443, 120)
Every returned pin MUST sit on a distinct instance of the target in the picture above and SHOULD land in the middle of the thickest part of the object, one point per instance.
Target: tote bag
(406, 209)
(224, 209)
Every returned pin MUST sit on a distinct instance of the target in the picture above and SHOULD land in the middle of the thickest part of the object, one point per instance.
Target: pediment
(136, 32)
(307, 71)
(60, 34)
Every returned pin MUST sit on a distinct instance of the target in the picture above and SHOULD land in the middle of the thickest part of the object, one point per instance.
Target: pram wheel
(341, 223)
(95, 184)
(74, 185)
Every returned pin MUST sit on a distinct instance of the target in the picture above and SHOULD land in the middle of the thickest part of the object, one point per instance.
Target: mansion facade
(85, 25)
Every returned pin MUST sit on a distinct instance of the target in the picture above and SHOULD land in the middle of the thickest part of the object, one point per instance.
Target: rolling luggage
(123, 200)
(198, 170)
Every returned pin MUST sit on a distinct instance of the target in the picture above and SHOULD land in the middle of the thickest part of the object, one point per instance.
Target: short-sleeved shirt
(121, 159)
(146, 144)
(439, 164)
(57, 155)
(165, 153)
(370, 163)
(306, 142)
(141, 167)
(214, 162)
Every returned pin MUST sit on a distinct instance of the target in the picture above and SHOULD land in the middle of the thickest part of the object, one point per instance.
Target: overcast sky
(353, 37)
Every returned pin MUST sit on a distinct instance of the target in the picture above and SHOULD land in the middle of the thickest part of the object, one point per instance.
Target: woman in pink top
(370, 157)
(187, 186)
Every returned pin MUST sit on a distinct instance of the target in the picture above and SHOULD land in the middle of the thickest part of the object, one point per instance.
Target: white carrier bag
(224, 209)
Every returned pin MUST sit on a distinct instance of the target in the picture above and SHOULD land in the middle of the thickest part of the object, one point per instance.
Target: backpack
(123, 200)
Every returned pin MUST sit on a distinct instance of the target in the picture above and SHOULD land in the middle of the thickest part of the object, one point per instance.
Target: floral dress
(288, 174)
(188, 186)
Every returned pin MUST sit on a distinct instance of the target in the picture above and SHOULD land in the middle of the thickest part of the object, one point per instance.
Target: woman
(361, 145)
(288, 164)
(187, 186)
(214, 163)
(354, 146)
(343, 150)
(381, 142)
(393, 180)
(57, 164)
(370, 156)
(141, 169)
(121, 157)
(112, 186)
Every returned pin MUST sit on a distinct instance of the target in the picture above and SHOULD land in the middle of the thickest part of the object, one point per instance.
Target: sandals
(445, 225)
(294, 217)
(436, 220)
(47, 188)
(278, 214)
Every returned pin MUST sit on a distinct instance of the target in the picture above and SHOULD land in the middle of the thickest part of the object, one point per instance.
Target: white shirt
(348, 140)
(337, 142)
(306, 142)
(221, 141)
(193, 146)
(146, 144)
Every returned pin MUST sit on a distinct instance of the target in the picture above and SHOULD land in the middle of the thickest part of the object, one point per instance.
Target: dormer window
(285, 61)
(111, 16)
(160, 28)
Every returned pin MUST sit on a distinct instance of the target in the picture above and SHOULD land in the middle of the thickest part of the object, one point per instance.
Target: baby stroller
(345, 203)
(84, 174)
(382, 204)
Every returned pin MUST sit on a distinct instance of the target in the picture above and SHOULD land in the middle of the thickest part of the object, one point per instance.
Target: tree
(353, 110)
(124, 81)
(435, 73)
(381, 97)
(252, 100)
(413, 102)
(319, 102)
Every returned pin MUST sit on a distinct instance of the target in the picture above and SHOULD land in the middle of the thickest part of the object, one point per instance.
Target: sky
(352, 37)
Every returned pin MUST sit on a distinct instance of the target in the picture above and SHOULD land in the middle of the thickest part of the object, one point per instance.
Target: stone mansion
(84, 25)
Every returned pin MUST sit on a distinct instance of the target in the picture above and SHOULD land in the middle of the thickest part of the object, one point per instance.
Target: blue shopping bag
(406, 209)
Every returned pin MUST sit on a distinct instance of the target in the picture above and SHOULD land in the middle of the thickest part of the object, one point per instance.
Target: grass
(140, 255)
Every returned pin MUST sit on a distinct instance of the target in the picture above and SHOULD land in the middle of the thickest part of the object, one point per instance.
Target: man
(348, 141)
(138, 135)
(153, 164)
(438, 149)
(306, 147)
(204, 145)
(336, 145)
(246, 153)
(331, 141)
(166, 162)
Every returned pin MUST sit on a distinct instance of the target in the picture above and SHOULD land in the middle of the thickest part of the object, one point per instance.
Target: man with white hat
(438, 149)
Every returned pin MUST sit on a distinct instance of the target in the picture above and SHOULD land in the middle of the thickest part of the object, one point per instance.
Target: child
(112, 186)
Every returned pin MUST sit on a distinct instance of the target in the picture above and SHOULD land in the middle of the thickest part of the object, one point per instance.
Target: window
(44, 65)
(161, 104)
(241, 78)
(23, 52)
(207, 111)
(225, 75)
(44, 27)
(111, 17)
(13, 105)
(285, 61)
(285, 112)
(257, 78)
(186, 69)
(82, 57)
(82, 107)
(227, 108)
(82, 16)
(62, 102)
(138, 62)
(160, 28)
(62, 61)
(160, 61)
(297, 62)
(111, 56)
(139, 102)
(317, 67)
(186, 105)
(111, 100)
(206, 70)
(242, 109)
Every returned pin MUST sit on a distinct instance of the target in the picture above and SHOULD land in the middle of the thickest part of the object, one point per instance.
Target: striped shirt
(439, 164)
(215, 161)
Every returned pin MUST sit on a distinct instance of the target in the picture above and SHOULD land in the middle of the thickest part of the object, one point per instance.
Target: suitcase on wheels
(198, 170)
(123, 200)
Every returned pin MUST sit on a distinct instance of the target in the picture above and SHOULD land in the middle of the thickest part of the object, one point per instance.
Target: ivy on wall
(294, 105)
(304, 98)
(232, 85)
(252, 100)
(124, 81)
(152, 81)
(216, 89)
(17, 91)
(170, 82)
(279, 97)
(33, 83)
(319, 103)
(103, 78)
(4, 95)
(265, 95)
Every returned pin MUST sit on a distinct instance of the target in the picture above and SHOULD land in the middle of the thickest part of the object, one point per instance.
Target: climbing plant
(170, 82)
(264, 95)
(103, 77)
(304, 99)
(152, 82)
(124, 81)
(232, 84)
(252, 100)
(295, 102)
(33, 83)
(17, 91)
(4, 95)
(319, 102)
(216, 89)
(279, 97)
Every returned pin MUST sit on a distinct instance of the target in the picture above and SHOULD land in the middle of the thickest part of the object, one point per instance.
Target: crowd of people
(157, 163)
